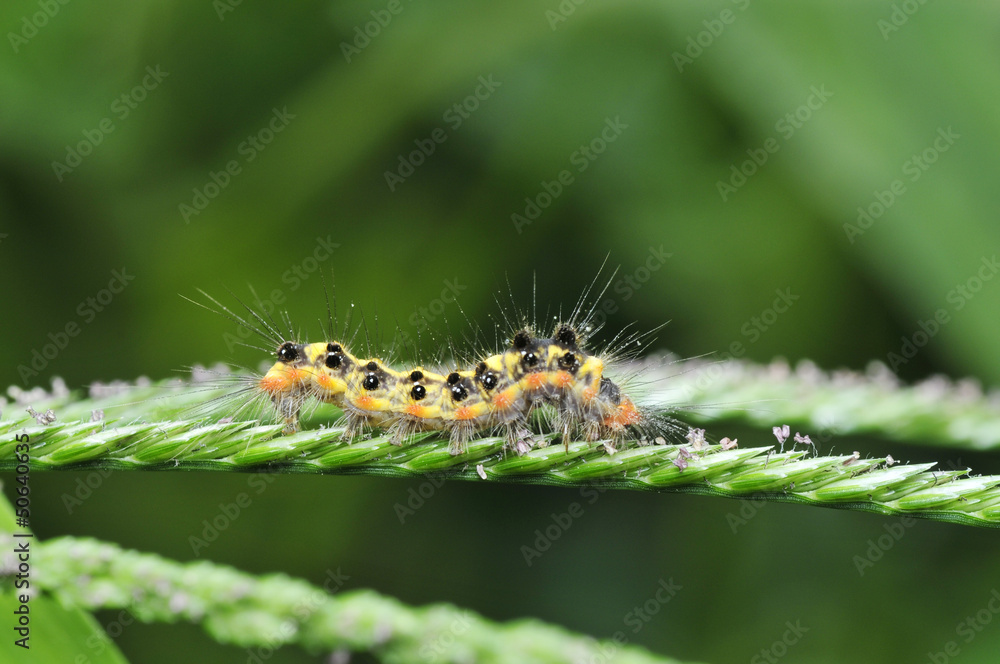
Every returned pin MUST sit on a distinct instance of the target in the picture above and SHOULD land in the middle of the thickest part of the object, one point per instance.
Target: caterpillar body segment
(417, 403)
(465, 409)
(362, 388)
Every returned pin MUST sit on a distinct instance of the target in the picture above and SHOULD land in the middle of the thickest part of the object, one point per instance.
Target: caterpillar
(551, 372)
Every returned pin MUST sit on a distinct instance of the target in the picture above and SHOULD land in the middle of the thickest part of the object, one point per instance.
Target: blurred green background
(210, 145)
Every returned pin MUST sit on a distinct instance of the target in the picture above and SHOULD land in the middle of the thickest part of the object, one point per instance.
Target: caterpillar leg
(461, 434)
(592, 431)
(353, 423)
(457, 446)
(397, 435)
(566, 429)
(405, 427)
(288, 410)
(518, 438)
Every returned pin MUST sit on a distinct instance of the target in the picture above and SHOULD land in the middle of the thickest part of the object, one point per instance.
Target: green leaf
(58, 633)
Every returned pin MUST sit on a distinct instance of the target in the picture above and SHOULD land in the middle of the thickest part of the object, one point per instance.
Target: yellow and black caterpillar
(499, 392)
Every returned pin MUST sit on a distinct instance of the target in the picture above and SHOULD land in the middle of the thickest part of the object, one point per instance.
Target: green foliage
(260, 614)
(58, 632)
(873, 484)
(877, 273)
(936, 411)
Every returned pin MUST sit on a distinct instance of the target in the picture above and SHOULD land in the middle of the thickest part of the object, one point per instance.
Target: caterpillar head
(289, 375)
